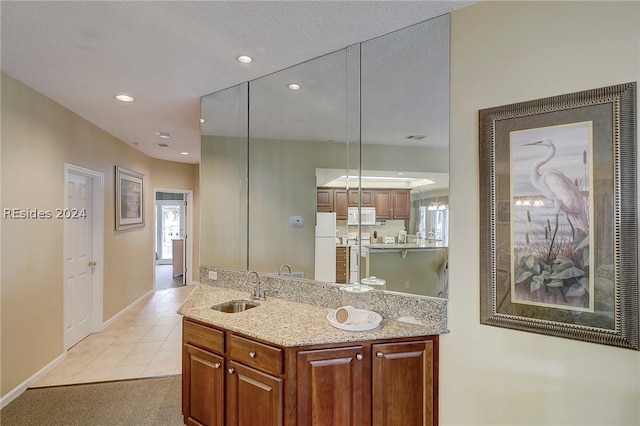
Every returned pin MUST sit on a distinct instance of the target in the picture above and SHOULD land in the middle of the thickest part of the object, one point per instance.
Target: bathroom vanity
(282, 363)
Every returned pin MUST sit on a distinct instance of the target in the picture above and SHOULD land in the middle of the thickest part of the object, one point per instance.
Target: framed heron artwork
(559, 216)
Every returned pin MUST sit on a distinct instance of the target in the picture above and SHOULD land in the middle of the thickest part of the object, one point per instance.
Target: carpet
(152, 401)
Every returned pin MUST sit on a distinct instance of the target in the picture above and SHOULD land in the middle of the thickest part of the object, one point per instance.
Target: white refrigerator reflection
(325, 260)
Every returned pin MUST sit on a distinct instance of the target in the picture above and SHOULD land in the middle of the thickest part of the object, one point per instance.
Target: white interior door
(78, 217)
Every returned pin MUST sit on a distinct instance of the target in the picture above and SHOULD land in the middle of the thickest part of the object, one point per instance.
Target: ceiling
(169, 54)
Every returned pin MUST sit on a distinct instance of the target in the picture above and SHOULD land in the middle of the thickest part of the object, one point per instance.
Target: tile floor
(144, 342)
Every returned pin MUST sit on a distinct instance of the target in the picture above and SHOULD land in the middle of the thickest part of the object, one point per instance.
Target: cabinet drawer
(255, 354)
(202, 336)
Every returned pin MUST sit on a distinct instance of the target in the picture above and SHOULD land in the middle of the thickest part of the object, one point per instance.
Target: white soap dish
(331, 316)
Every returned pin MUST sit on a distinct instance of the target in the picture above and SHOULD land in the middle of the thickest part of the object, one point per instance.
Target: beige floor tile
(147, 347)
(158, 333)
(108, 360)
(144, 342)
(140, 358)
(171, 345)
(119, 348)
(94, 374)
(166, 356)
(160, 368)
(129, 338)
(127, 372)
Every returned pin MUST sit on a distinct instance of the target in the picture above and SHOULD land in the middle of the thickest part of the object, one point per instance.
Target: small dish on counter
(331, 317)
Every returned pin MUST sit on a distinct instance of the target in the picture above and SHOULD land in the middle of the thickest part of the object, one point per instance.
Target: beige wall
(506, 52)
(38, 138)
(182, 176)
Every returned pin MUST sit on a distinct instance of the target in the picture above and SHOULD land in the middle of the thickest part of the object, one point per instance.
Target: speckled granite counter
(406, 246)
(285, 322)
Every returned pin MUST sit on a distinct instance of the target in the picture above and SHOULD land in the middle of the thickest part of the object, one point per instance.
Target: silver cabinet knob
(231, 371)
(379, 354)
(359, 357)
(252, 354)
(217, 365)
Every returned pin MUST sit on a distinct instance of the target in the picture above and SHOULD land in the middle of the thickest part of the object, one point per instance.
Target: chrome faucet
(256, 294)
(282, 267)
(430, 236)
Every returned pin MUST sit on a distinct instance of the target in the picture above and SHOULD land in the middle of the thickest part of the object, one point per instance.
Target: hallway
(144, 342)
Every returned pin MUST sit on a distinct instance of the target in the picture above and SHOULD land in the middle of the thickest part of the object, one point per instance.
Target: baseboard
(117, 316)
(18, 390)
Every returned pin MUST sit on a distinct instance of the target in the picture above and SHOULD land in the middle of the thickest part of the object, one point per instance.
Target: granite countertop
(286, 323)
(406, 246)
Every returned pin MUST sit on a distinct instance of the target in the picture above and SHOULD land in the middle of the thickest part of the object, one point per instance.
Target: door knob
(93, 264)
(379, 354)
(359, 357)
(231, 370)
(216, 365)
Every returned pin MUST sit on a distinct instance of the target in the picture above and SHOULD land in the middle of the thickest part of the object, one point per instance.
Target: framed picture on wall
(129, 199)
(559, 217)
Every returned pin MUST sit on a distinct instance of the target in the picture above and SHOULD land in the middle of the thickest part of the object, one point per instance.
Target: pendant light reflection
(436, 206)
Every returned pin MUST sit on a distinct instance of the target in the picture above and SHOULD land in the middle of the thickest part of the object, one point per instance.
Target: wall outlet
(213, 275)
(407, 284)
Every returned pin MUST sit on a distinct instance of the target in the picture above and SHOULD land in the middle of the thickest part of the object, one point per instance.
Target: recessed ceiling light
(202, 120)
(184, 153)
(244, 59)
(294, 86)
(163, 135)
(123, 98)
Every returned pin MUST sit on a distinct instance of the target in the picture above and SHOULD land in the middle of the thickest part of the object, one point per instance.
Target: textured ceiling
(169, 54)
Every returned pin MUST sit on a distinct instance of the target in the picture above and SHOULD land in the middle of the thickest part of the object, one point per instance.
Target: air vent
(416, 137)
(164, 145)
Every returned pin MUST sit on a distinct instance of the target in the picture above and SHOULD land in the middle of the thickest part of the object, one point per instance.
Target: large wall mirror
(340, 178)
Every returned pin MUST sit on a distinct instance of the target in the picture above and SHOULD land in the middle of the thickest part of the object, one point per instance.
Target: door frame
(188, 216)
(97, 234)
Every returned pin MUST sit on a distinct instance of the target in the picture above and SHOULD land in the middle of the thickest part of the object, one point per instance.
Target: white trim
(97, 276)
(18, 390)
(189, 232)
(127, 309)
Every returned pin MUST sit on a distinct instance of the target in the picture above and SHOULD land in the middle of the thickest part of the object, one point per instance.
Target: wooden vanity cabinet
(404, 383)
(228, 379)
(203, 375)
(333, 386)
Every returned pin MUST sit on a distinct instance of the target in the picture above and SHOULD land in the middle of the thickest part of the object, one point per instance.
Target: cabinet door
(366, 197)
(253, 398)
(324, 200)
(202, 387)
(403, 384)
(331, 387)
(401, 203)
(383, 203)
(340, 203)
